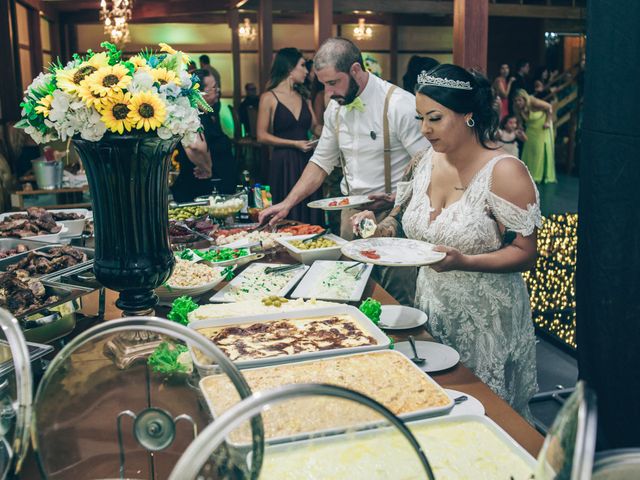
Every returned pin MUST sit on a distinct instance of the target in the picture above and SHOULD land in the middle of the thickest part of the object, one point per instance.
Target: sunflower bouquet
(99, 93)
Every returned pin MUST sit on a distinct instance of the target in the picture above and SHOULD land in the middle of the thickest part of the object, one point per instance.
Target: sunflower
(109, 80)
(139, 62)
(44, 105)
(115, 112)
(69, 80)
(87, 96)
(167, 48)
(147, 111)
(163, 76)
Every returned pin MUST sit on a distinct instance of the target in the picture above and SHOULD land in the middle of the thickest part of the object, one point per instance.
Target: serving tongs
(317, 235)
(284, 268)
(363, 267)
(195, 232)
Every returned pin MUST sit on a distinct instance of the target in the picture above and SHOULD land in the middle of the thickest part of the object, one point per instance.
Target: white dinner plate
(438, 356)
(471, 406)
(399, 317)
(392, 252)
(354, 201)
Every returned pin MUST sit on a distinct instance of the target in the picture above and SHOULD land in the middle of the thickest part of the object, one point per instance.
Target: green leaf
(180, 309)
(164, 358)
(114, 54)
(372, 309)
(22, 124)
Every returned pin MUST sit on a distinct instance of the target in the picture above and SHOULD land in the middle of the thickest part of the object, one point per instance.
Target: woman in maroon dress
(285, 118)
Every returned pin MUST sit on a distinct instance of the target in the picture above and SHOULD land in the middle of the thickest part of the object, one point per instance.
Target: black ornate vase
(127, 177)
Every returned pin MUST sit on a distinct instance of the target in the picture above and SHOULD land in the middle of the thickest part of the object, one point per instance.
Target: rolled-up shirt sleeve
(406, 125)
(326, 152)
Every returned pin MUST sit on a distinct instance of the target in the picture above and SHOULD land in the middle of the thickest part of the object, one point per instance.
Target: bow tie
(355, 105)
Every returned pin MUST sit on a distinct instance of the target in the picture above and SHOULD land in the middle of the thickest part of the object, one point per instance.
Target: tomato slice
(372, 254)
(344, 202)
(333, 204)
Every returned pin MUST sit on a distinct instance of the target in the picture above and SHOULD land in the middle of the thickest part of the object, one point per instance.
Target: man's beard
(352, 93)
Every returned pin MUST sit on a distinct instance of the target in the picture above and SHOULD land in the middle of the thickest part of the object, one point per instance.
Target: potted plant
(125, 119)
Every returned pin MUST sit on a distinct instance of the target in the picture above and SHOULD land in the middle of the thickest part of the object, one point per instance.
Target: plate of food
(334, 281)
(392, 252)
(340, 203)
(255, 282)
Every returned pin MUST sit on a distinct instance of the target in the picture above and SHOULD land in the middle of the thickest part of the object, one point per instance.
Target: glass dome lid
(381, 447)
(121, 400)
(15, 395)
(569, 447)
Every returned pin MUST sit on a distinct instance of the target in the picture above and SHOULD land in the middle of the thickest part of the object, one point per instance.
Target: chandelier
(115, 17)
(246, 31)
(362, 32)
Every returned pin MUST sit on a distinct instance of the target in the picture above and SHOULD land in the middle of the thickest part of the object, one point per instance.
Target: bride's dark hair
(479, 100)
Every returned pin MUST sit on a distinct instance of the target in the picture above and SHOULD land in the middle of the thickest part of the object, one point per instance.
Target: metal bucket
(48, 174)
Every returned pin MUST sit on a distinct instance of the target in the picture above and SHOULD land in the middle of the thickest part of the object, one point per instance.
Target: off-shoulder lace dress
(485, 316)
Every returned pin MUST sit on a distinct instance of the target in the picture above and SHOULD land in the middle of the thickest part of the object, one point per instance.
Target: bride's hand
(454, 260)
(359, 217)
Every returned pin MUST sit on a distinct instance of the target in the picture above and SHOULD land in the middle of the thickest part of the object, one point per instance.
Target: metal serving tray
(414, 426)
(382, 341)
(9, 243)
(415, 415)
(65, 294)
(36, 352)
(6, 262)
(77, 276)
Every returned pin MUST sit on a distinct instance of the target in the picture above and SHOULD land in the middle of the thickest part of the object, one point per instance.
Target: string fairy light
(551, 284)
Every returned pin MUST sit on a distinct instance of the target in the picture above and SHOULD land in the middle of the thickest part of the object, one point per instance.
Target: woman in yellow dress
(538, 150)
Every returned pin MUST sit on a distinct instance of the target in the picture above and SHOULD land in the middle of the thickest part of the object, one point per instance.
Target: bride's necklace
(460, 189)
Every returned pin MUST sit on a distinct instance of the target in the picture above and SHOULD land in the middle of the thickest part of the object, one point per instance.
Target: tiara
(425, 79)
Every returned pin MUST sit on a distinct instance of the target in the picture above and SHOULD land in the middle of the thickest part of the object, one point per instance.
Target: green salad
(222, 254)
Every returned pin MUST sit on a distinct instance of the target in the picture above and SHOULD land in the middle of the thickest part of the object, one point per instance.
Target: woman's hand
(453, 261)
(304, 145)
(359, 217)
(546, 125)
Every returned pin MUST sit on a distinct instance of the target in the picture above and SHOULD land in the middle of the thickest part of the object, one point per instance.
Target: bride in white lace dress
(481, 207)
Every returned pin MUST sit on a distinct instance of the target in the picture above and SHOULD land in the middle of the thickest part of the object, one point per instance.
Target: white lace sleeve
(515, 218)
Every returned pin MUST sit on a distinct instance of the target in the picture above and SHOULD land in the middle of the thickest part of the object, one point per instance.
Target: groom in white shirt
(354, 136)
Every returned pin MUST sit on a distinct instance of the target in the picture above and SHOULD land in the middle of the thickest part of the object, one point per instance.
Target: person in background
(251, 100)
(538, 150)
(521, 81)
(509, 134)
(192, 67)
(285, 118)
(416, 65)
(541, 83)
(353, 137)
(195, 160)
(502, 86)
(205, 64)
(478, 204)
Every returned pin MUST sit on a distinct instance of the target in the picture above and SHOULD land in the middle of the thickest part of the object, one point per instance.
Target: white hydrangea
(39, 137)
(39, 84)
(142, 81)
(185, 79)
(181, 119)
(68, 116)
(170, 90)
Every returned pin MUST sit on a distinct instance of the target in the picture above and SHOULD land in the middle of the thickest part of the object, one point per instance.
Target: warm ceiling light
(246, 31)
(115, 15)
(362, 31)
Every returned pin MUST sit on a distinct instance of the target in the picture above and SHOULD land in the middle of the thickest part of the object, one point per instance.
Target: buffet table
(458, 378)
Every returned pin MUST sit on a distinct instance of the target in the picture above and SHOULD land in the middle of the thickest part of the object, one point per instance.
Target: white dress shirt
(363, 154)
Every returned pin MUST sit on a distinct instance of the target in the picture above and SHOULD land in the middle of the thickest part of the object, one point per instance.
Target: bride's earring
(470, 122)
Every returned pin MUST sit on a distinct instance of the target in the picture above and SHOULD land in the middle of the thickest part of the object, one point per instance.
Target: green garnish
(170, 358)
(186, 254)
(180, 309)
(392, 343)
(227, 273)
(372, 309)
(222, 254)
